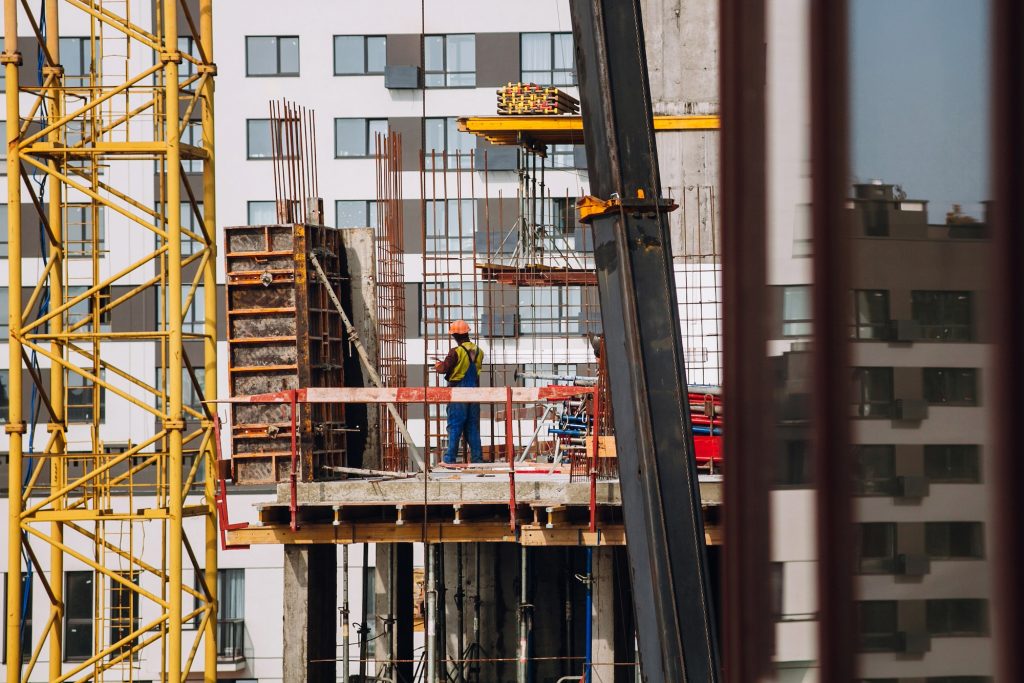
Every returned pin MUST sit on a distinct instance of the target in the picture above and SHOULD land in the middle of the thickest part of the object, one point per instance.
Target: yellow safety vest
(462, 351)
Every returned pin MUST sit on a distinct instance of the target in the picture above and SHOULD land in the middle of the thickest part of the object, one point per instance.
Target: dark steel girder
(660, 494)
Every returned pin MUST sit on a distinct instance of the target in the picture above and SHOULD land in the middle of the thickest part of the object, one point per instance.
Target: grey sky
(919, 98)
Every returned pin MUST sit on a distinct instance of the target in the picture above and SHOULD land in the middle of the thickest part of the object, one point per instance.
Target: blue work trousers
(464, 419)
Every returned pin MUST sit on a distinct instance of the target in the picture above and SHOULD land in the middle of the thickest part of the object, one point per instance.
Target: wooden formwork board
(283, 333)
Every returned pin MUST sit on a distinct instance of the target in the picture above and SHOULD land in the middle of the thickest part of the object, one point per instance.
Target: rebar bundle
(532, 99)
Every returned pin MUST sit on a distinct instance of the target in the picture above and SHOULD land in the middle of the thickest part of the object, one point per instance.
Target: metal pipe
(210, 327)
(430, 625)
(58, 466)
(589, 638)
(345, 663)
(475, 670)
(174, 424)
(15, 426)
(525, 617)
(364, 629)
(442, 616)
(460, 673)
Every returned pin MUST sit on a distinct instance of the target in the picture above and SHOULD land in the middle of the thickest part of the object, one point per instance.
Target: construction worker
(461, 367)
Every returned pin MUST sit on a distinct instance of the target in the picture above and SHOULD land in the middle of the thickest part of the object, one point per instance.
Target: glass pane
(262, 213)
(351, 213)
(375, 127)
(433, 136)
(349, 57)
(260, 55)
(563, 52)
(433, 53)
(376, 54)
(458, 141)
(3, 230)
(461, 55)
(536, 52)
(288, 48)
(258, 139)
(349, 137)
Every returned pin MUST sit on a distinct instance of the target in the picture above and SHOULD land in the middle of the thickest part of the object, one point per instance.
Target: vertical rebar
(364, 628)
(459, 606)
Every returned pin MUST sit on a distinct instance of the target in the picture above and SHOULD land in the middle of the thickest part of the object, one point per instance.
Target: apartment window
(444, 145)
(76, 58)
(549, 310)
(358, 55)
(449, 61)
(187, 46)
(943, 316)
(870, 314)
(78, 616)
(190, 396)
(258, 143)
(952, 464)
(876, 548)
(956, 617)
(4, 328)
(3, 149)
(80, 404)
(355, 213)
(124, 612)
(271, 55)
(3, 224)
(872, 392)
(547, 58)
(951, 386)
(192, 134)
(954, 540)
(5, 400)
(230, 614)
(560, 156)
(450, 225)
(444, 302)
(879, 624)
(876, 470)
(194, 317)
(562, 215)
(261, 213)
(355, 137)
(26, 623)
(84, 223)
(83, 311)
(794, 466)
(796, 311)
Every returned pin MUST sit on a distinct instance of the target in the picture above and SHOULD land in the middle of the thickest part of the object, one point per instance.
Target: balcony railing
(230, 640)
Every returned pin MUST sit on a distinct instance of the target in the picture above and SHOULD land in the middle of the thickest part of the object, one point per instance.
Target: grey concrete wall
(361, 259)
(681, 37)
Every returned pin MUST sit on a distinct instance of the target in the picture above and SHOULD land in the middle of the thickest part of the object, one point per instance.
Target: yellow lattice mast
(75, 144)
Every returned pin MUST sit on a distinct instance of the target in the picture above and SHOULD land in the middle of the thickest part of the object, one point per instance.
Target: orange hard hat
(459, 327)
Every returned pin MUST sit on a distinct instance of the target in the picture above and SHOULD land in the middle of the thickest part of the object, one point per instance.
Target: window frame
(797, 328)
(970, 454)
(940, 329)
(877, 563)
(444, 71)
(958, 396)
(877, 408)
(933, 615)
(79, 621)
(871, 330)
(366, 55)
(277, 57)
(249, 205)
(370, 208)
(552, 52)
(367, 135)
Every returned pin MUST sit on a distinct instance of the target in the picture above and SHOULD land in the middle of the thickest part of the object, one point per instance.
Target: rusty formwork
(283, 333)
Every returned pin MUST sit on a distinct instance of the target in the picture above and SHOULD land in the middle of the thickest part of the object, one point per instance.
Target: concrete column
(394, 589)
(310, 625)
(603, 615)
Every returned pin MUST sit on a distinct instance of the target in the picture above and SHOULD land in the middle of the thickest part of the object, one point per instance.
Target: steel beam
(661, 499)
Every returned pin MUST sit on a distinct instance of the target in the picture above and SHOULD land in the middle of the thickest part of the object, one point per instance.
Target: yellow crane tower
(77, 145)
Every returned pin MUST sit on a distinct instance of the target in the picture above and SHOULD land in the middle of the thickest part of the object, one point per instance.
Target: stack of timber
(518, 99)
(283, 333)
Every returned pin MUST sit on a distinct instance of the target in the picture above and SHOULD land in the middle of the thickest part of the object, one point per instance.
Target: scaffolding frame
(89, 125)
